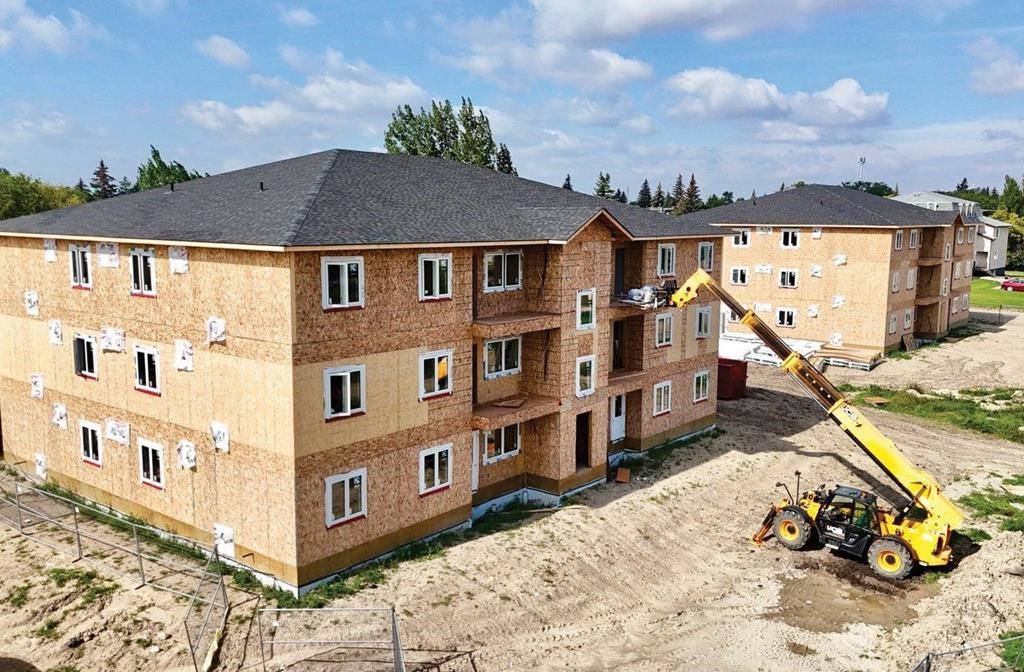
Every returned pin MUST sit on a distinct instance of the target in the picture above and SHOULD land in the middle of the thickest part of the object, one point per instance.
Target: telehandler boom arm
(917, 484)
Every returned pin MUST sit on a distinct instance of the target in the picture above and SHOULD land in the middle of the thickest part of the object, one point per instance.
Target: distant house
(839, 266)
(325, 358)
(992, 240)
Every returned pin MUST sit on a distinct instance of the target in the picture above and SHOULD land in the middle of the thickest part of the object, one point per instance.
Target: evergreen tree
(620, 196)
(753, 195)
(125, 186)
(103, 185)
(158, 173)
(677, 191)
(693, 200)
(658, 200)
(726, 197)
(1012, 199)
(568, 182)
(962, 186)
(603, 188)
(83, 190)
(643, 197)
(503, 161)
(782, 187)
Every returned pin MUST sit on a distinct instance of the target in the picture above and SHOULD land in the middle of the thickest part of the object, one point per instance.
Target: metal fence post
(138, 552)
(259, 624)
(17, 505)
(396, 640)
(78, 535)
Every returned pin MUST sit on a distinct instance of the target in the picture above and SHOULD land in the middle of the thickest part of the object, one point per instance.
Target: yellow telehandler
(845, 518)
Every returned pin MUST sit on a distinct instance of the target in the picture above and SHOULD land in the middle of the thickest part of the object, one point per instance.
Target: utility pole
(862, 160)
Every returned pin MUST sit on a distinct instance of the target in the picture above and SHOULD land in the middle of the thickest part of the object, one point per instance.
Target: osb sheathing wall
(863, 281)
(244, 383)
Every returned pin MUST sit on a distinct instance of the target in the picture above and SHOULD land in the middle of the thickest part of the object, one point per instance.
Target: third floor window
(503, 271)
(341, 280)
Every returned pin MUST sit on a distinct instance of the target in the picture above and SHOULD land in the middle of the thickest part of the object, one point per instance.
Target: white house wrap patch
(56, 332)
(60, 416)
(178, 256)
(186, 454)
(36, 385)
(216, 330)
(112, 339)
(49, 250)
(219, 433)
(109, 256)
(32, 303)
(183, 357)
(118, 430)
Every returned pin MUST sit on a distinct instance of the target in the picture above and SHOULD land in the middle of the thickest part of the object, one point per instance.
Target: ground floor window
(344, 497)
(501, 443)
(663, 398)
(701, 384)
(584, 375)
(92, 448)
(435, 468)
(151, 463)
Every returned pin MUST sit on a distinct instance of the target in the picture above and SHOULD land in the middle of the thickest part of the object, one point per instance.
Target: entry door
(620, 271)
(617, 430)
(583, 440)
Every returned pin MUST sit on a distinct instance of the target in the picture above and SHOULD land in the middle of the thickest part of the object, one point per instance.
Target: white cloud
(715, 93)
(224, 51)
(20, 25)
(297, 17)
(335, 93)
(1001, 69)
(147, 6)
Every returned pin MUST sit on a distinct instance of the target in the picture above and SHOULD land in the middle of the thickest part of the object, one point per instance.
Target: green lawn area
(986, 294)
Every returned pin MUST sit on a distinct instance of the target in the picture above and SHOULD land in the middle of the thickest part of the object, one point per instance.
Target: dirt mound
(983, 597)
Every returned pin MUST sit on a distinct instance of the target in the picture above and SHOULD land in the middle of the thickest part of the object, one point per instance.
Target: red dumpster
(732, 378)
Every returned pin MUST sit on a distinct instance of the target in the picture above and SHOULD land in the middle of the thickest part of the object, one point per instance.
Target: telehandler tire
(890, 559)
(792, 529)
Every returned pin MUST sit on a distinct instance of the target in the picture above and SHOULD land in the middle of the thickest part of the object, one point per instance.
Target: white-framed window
(734, 316)
(662, 330)
(501, 443)
(344, 497)
(435, 276)
(147, 369)
(948, 252)
(970, 234)
(738, 275)
(143, 268)
(899, 240)
(955, 304)
(908, 318)
(85, 355)
(785, 317)
(788, 277)
(957, 267)
(666, 259)
(341, 282)
(703, 322)
(344, 391)
(706, 256)
(741, 238)
(790, 238)
(151, 463)
(892, 323)
(911, 278)
(435, 373)
(81, 269)
(585, 373)
(915, 238)
(435, 468)
(663, 398)
(503, 271)
(945, 286)
(965, 301)
(968, 269)
(895, 282)
(502, 357)
(90, 442)
(701, 386)
(960, 235)
(586, 310)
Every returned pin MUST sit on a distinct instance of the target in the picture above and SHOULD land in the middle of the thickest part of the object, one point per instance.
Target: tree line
(677, 201)
(22, 194)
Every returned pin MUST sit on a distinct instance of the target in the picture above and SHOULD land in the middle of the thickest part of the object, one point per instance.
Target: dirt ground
(658, 574)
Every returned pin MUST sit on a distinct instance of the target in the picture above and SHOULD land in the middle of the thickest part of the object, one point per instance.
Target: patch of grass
(91, 585)
(965, 413)
(18, 596)
(48, 630)
(799, 649)
(1016, 479)
(1012, 652)
(989, 503)
(974, 534)
(63, 668)
(657, 458)
(143, 643)
(986, 294)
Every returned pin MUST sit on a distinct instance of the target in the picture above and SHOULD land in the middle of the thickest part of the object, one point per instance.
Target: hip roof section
(821, 205)
(344, 197)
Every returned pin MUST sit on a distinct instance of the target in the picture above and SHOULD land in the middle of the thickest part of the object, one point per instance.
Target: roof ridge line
(858, 205)
(311, 196)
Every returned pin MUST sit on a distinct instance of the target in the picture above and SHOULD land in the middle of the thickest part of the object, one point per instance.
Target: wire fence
(984, 657)
(154, 557)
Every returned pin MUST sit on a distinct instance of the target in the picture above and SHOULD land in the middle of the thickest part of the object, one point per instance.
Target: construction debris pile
(648, 297)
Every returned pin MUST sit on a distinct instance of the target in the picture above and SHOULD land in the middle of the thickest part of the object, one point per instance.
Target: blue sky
(746, 94)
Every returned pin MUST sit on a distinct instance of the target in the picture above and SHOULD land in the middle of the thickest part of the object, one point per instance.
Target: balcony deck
(512, 324)
(626, 380)
(508, 411)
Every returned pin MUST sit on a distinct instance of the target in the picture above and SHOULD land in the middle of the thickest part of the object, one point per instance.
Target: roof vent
(172, 187)
(261, 187)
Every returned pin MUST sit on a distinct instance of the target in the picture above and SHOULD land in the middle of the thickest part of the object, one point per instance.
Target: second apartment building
(315, 361)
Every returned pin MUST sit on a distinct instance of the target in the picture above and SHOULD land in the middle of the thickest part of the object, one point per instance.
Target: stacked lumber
(851, 353)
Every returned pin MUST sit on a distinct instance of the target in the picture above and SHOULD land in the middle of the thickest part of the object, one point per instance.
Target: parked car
(1012, 285)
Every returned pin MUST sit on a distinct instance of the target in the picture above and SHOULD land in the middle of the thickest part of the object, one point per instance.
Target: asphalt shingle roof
(344, 197)
(821, 205)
